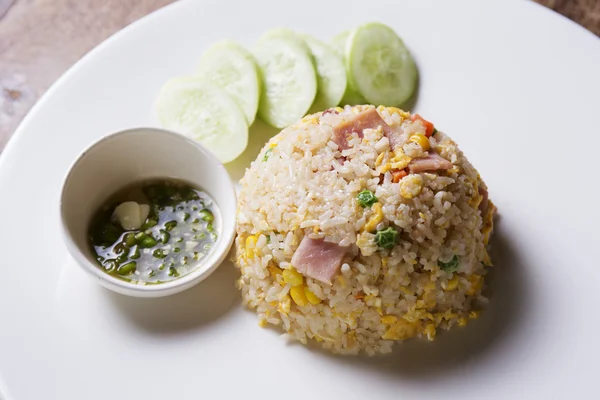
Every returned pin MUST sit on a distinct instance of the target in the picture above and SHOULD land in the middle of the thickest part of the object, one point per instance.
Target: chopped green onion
(151, 274)
(267, 154)
(150, 222)
(135, 254)
(450, 266)
(129, 239)
(434, 131)
(186, 216)
(159, 253)
(173, 272)
(161, 267)
(164, 236)
(386, 239)
(110, 265)
(206, 215)
(170, 225)
(127, 269)
(366, 198)
(148, 242)
(176, 249)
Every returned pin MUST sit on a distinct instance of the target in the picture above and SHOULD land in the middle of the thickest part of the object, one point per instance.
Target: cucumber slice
(331, 74)
(351, 95)
(380, 66)
(288, 77)
(231, 67)
(203, 111)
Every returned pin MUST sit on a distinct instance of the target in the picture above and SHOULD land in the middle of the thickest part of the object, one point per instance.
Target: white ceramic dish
(130, 156)
(516, 85)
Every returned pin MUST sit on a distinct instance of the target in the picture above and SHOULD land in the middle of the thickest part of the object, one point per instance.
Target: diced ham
(368, 119)
(432, 162)
(318, 259)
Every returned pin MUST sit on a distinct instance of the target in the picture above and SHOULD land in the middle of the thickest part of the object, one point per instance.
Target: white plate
(516, 85)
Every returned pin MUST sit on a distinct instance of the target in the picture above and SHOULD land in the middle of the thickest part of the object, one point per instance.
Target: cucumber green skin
(406, 78)
(246, 90)
(279, 106)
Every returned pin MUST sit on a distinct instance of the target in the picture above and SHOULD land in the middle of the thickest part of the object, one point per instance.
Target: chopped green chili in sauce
(179, 227)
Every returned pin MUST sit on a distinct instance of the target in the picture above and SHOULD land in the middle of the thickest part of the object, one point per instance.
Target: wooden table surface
(40, 39)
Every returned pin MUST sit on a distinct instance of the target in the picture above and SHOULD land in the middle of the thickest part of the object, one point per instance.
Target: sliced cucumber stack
(231, 67)
(379, 66)
(203, 111)
(289, 83)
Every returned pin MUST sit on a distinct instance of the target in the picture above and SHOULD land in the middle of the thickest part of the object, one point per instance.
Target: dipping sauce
(154, 231)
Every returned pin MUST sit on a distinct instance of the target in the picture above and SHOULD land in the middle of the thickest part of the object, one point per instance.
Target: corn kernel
(292, 277)
(298, 295)
(452, 283)
(311, 297)
(285, 304)
(474, 314)
(421, 140)
(315, 229)
(379, 159)
(389, 319)
(375, 219)
(411, 186)
(274, 271)
(262, 322)
(274, 144)
(250, 245)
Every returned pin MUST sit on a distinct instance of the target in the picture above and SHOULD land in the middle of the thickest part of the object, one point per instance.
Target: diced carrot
(429, 128)
(398, 175)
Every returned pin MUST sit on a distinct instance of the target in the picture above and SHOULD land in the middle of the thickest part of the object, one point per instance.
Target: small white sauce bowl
(134, 155)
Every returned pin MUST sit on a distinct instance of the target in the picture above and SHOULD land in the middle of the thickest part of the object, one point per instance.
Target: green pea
(206, 215)
(173, 272)
(127, 269)
(129, 239)
(170, 225)
(159, 253)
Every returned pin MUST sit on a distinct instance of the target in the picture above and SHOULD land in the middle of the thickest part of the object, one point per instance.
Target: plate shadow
(185, 311)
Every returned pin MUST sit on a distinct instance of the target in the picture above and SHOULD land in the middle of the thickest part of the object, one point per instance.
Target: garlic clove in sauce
(131, 215)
